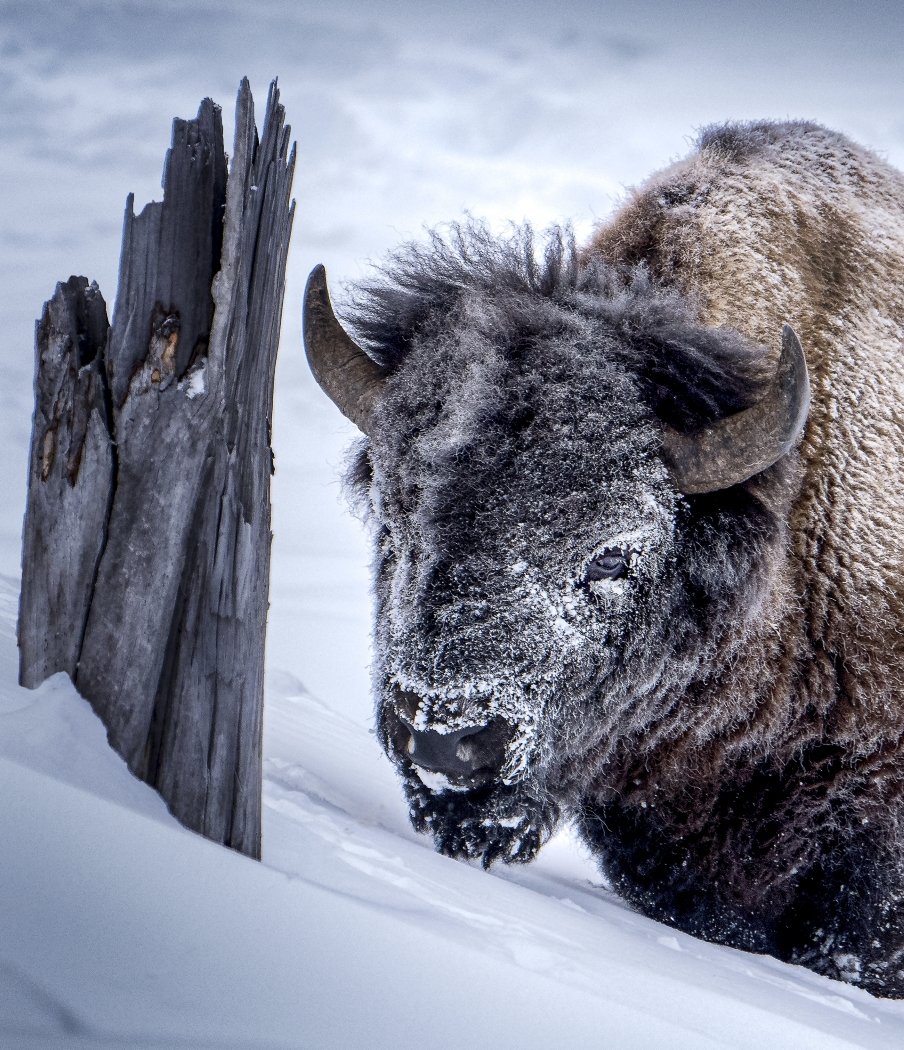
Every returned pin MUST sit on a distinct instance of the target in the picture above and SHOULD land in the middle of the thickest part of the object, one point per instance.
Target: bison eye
(609, 564)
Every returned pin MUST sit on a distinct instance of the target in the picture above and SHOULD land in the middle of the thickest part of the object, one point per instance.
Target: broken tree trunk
(147, 532)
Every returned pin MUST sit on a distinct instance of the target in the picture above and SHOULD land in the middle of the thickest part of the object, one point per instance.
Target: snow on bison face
(544, 590)
(526, 528)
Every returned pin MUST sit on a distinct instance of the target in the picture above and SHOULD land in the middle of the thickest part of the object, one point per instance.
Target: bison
(639, 549)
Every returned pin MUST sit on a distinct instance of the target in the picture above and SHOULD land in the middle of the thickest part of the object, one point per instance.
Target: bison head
(553, 464)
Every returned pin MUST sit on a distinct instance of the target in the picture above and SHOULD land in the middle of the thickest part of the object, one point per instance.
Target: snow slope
(117, 927)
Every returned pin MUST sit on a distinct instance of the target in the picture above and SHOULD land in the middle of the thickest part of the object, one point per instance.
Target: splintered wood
(147, 532)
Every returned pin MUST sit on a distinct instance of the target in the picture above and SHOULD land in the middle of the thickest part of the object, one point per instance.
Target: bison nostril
(462, 752)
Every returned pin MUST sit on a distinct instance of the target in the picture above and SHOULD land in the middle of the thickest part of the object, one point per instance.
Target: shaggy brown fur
(770, 223)
(791, 222)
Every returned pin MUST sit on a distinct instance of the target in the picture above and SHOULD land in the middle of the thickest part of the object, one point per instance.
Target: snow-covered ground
(117, 927)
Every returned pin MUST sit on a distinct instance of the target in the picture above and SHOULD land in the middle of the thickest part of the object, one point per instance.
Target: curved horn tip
(316, 294)
(789, 333)
(347, 375)
(316, 278)
(792, 350)
(736, 448)
(793, 363)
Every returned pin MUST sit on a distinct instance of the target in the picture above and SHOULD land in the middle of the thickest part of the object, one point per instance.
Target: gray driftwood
(147, 532)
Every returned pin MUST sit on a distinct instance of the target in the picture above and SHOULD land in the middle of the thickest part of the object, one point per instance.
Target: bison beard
(614, 584)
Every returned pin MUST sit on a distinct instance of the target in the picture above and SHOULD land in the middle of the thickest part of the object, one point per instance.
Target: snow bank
(119, 928)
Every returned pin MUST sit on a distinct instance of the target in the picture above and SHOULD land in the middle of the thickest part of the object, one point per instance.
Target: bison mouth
(477, 816)
(456, 776)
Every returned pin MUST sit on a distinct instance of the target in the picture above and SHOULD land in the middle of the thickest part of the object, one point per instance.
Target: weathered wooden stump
(147, 532)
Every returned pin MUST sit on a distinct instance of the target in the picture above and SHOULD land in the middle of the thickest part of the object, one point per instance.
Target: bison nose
(460, 753)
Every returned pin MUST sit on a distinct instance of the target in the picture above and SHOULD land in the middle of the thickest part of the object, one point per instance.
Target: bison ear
(350, 379)
(739, 446)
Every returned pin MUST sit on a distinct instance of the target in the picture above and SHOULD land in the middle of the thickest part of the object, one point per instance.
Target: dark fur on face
(483, 528)
(724, 719)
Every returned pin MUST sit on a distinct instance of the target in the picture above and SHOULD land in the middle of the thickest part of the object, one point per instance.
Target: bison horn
(739, 446)
(350, 379)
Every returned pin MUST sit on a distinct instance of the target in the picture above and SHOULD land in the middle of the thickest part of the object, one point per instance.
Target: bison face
(562, 541)
(526, 538)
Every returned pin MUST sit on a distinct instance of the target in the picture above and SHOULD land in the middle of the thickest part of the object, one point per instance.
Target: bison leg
(847, 918)
(841, 915)
(671, 879)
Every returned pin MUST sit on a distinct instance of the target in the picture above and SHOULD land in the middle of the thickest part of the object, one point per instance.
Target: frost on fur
(711, 684)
